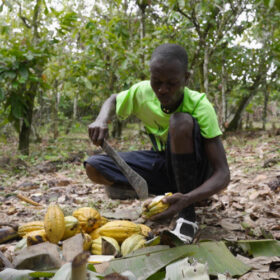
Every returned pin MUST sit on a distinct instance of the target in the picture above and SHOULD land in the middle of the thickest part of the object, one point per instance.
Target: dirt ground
(249, 208)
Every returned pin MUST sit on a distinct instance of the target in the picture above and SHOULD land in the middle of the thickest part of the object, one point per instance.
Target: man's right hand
(97, 132)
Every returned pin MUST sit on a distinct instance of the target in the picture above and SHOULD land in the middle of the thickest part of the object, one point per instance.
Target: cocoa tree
(22, 63)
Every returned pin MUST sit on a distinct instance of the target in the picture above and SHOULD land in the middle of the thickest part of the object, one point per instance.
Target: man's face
(167, 80)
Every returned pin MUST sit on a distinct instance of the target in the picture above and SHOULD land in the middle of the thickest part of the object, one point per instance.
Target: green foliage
(83, 52)
(19, 72)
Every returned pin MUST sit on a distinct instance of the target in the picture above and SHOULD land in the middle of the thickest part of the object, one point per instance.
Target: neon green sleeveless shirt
(141, 101)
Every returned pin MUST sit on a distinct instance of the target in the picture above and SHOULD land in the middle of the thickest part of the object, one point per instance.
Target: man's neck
(172, 109)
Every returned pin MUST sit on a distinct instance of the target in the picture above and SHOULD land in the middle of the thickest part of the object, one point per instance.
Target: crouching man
(187, 156)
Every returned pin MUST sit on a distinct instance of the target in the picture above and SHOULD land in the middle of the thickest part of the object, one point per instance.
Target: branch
(79, 266)
(191, 18)
(227, 25)
(35, 19)
(25, 20)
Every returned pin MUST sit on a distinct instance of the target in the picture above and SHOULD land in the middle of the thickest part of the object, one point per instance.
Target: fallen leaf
(42, 256)
(228, 225)
(73, 246)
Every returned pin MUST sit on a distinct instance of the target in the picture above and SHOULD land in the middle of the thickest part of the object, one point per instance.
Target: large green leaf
(257, 248)
(14, 274)
(23, 74)
(215, 254)
(87, 83)
(38, 274)
(194, 271)
(219, 259)
(64, 273)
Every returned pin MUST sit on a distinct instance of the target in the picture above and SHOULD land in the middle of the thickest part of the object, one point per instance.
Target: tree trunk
(117, 128)
(25, 130)
(201, 80)
(55, 110)
(235, 122)
(224, 99)
(205, 69)
(142, 7)
(75, 102)
(265, 103)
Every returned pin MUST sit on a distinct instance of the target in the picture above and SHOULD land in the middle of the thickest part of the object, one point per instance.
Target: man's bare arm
(219, 180)
(98, 130)
(221, 175)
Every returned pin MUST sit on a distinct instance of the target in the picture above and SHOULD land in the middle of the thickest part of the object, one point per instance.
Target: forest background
(59, 60)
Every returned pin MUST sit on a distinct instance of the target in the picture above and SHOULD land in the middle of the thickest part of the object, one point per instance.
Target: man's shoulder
(143, 85)
(192, 99)
(193, 94)
(143, 92)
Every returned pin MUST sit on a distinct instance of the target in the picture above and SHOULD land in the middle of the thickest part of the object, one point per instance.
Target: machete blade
(137, 182)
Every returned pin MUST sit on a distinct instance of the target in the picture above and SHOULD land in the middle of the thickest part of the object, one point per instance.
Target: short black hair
(172, 51)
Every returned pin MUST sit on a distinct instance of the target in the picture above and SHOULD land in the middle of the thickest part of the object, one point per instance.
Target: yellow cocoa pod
(54, 223)
(132, 243)
(31, 226)
(36, 237)
(88, 217)
(145, 230)
(87, 241)
(119, 229)
(103, 221)
(96, 246)
(71, 227)
(156, 206)
(94, 234)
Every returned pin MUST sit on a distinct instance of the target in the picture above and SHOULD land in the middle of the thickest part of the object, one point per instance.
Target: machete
(137, 182)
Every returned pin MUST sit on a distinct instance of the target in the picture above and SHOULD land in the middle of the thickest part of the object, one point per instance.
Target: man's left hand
(176, 202)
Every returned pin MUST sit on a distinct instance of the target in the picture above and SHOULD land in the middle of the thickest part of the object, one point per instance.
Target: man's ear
(187, 76)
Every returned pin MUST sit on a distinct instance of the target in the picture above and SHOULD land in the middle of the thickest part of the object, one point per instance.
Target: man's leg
(95, 176)
(113, 190)
(184, 167)
(101, 169)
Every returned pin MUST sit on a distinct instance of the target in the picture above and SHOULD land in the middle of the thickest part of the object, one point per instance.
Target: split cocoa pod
(72, 227)
(156, 206)
(36, 237)
(87, 241)
(133, 243)
(96, 245)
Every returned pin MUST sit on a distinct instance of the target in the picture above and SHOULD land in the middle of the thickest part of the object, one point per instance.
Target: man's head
(168, 67)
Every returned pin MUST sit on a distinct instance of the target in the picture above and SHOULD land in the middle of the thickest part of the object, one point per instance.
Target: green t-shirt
(141, 101)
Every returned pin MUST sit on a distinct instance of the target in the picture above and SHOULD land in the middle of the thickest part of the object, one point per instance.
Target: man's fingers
(169, 199)
(95, 135)
(163, 215)
(90, 132)
(102, 135)
(147, 202)
(106, 134)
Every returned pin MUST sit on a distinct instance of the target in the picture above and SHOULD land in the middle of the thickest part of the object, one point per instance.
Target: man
(187, 159)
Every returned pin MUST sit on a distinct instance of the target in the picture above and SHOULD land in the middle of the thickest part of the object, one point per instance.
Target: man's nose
(163, 89)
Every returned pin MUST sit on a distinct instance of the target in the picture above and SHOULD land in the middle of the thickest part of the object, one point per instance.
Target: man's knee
(181, 124)
(95, 176)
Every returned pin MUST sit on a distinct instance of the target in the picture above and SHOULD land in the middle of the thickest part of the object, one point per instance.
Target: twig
(28, 200)
(79, 266)
(5, 261)
(270, 162)
(7, 234)
(15, 227)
